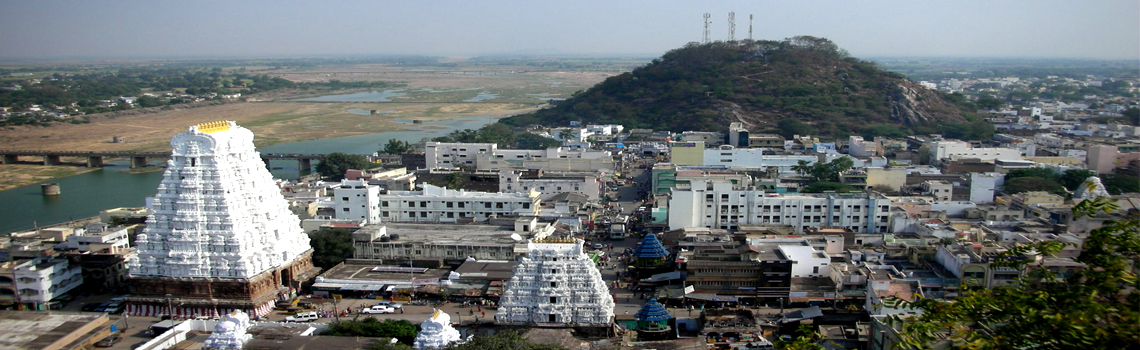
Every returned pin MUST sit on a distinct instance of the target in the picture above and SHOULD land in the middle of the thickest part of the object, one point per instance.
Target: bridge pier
(266, 161)
(51, 160)
(95, 162)
(11, 159)
(304, 164)
(138, 162)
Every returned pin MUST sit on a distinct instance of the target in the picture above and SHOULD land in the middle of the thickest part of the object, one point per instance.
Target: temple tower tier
(221, 235)
(556, 285)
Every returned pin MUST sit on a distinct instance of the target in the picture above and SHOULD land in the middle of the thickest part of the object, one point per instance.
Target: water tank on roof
(395, 236)
(385, 239)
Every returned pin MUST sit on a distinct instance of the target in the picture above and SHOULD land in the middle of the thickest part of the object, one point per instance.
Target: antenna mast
(750, 27)
(706, 39)
(731, 26)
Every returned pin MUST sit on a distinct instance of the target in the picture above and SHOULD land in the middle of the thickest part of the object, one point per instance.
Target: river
(87, 194)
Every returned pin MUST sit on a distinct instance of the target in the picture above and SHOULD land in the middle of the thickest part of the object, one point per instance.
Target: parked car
(599, 246)
(90, 307)
(108, 341)
(115, 309)
(102, 307)
(390, 304)
(302, 317)
(378, 310)
(56, 304)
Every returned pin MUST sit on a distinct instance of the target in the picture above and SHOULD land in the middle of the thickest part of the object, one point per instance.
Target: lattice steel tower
(706, 38)
(731, 26)
(749, 27)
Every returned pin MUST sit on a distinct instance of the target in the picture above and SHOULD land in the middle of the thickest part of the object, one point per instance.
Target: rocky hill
(808, 81)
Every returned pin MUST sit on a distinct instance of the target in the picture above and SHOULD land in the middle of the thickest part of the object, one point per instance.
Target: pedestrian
(484, 313)
(480, 308)
(471, 312)
(627, 298)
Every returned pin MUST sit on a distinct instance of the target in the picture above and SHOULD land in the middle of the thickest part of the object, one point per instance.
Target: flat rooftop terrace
(39, 330)
(457, 234)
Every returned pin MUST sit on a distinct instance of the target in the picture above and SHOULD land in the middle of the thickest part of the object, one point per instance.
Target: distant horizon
(615, 55)
(95, 30)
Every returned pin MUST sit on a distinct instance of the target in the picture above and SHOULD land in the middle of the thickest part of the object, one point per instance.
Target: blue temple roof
(650, 247)
(653, 312)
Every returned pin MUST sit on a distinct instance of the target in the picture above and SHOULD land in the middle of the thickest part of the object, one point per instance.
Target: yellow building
(687, 153)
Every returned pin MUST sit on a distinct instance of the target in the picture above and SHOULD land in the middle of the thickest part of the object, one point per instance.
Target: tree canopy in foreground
(1097, 307)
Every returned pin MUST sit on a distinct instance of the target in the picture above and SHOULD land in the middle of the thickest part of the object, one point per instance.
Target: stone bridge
(138, 159)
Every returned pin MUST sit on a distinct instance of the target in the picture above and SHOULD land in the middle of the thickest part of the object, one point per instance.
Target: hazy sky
(160, 28)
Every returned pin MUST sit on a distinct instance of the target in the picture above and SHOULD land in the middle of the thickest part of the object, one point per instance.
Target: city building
(222, 237)
(550, 183)
(358, 201)
(556, 285)
(445, 242)
(42, 279)
(719, 205)
(438, 204)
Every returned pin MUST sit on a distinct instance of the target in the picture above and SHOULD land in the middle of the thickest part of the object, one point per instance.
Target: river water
(86, 194)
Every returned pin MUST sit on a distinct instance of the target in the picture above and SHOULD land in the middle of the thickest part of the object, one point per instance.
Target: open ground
(429, 93)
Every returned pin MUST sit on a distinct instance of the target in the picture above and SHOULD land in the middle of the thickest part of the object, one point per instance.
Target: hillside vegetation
(809, 82)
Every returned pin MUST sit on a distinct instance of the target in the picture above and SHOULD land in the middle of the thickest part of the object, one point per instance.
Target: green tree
(1044, 173)
(335, 164)
(1073, 178)
(1120, 184)
(505, 340)
(1096, 307)
(331, 246)
(789, 127)
(395, 146)
(402, 330)
(990, 103)
(1133, 115)
(822, 187)
(1032, 183)
(802, 167)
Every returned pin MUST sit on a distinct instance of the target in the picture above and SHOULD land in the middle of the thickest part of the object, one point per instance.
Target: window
(344, 198)
(450, 204)
(423, 214)
(344, 209)
(423, 204)
(487, 205)
(553, 300)
(384, 204)
(553, 284)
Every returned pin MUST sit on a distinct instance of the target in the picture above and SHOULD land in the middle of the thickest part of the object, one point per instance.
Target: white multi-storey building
(718, 205)
(97, 237)
(41, 279)
(437, 204)
(754, 158)
(453, 155)
(488, 156)
(556, 284)
(953, 149)
(983, 185)
(357, 200)
(550, 183)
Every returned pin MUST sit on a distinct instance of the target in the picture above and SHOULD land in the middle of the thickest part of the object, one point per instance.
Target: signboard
(425, 281)
(689, 289)
(684, 144)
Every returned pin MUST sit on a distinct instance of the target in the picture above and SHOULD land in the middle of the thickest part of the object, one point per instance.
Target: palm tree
(802, 167)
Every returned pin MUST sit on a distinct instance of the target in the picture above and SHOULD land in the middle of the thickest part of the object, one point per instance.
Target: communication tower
(750, 27)
(731, 26)
(706, 39)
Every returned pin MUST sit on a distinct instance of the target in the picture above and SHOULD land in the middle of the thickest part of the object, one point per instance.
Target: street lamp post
(170, 305)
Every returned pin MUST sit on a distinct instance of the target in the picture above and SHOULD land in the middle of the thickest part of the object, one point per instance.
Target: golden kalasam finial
(212, 127)
(435, 315)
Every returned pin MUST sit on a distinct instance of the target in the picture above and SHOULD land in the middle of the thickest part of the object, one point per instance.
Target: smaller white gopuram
(230, 333)
(556, 284)
(436, 332)
(1092, 188)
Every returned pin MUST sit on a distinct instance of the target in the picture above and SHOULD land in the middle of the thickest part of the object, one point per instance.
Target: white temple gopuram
(436, 332)
(221, 237)
(230, 332)
(556, 285)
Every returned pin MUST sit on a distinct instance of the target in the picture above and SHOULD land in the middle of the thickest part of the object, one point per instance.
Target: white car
(390, 304)
(379, 309)
(302, 317)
